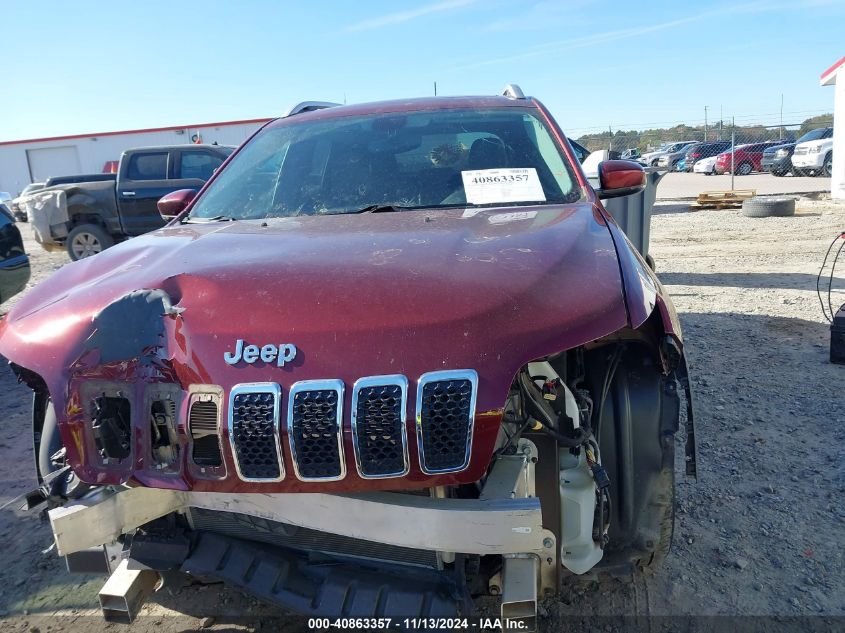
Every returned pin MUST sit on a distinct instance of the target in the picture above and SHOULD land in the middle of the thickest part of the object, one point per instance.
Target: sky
(90, 66)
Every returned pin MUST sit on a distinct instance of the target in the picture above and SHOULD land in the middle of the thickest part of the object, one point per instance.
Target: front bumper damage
(505, 520)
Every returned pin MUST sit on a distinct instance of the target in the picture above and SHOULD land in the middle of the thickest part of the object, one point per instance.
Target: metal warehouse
(35, 160)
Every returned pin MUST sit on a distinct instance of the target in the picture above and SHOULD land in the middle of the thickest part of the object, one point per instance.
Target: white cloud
(558, 46)
(547, 14)
(391, 19)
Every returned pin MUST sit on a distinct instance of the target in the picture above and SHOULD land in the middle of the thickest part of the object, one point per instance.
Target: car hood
(817, 143)
(772, 150)
(358, 295)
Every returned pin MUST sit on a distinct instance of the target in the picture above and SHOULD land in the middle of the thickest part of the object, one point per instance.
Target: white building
(835, 76)
(35, 160)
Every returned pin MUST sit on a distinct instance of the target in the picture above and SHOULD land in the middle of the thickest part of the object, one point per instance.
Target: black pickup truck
(88, 217)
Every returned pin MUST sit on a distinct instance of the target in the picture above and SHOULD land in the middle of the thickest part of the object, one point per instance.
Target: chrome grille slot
(445, 417)
(315, 431)
(202, 423)
(378, 426)
(254, 431)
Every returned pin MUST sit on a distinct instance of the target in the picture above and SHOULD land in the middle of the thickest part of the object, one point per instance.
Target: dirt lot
(760, 533)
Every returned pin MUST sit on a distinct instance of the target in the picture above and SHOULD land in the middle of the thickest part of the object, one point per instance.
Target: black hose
(830, 283)
(540, 410)
(608, 380)
(51, 442)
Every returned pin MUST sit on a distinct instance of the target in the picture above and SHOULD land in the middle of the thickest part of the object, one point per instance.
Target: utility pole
(721, 118)
(781, 116)
(610, 139)
(733, 151)
(435, 88)
(705, 123)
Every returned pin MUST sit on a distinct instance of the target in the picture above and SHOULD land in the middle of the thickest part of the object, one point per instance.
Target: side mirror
(620, 178)
(175, 202)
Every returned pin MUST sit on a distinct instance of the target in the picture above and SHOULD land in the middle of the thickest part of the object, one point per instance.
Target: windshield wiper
(217, 218)
(383, 208)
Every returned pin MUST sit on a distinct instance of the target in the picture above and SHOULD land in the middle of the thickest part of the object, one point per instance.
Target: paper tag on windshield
(486, 186)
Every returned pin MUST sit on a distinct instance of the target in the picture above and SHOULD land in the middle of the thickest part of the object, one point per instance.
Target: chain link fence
(724, 147)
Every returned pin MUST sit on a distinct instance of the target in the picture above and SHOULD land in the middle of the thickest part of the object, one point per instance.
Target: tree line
(620, 140)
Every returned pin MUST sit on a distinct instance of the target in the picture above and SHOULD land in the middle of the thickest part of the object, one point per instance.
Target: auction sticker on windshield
(487, 186)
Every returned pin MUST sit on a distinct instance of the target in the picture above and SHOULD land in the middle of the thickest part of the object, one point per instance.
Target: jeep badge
(281, 354)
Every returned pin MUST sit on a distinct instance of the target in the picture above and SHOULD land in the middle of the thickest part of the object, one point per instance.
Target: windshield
(813, 135)
(418, 160)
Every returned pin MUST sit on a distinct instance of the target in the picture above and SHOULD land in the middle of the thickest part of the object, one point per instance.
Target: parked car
(747, 158)
(14, 262)
(814, 157)
(631, 153)
(778, 159)
(350, 374)
(18, 211)
(681, 165)
(89, 216)
(670, 158)
(704, 150)
(705, 166)
(650, 159)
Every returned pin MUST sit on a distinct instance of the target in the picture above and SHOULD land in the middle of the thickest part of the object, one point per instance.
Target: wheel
(744, 169)
(798, 172)
(827, 168)
(778, 173)
(86, 240)
(768, 207)
(654, 163)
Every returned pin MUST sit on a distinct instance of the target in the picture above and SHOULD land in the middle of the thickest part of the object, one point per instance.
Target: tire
(86, 240)
(778, 173)
(744, 168)
(768, 207)
(654, 163)
(827, 168)
(798, 172)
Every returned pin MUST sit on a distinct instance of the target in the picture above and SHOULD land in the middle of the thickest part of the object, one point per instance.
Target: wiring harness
(827, 309)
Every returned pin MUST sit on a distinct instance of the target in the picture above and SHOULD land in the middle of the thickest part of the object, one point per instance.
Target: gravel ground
(759, 533)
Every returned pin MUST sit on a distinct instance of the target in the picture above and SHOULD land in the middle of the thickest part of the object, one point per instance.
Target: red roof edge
(150, 129)
(832, 69)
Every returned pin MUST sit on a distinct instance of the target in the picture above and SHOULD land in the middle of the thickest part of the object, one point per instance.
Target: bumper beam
(503, 523)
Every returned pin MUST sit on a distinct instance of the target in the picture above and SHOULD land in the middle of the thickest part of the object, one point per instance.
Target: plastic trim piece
(381, 381)
(317, 385)
(309, 106)
(439, 376)
(257, 387)
(513, 91)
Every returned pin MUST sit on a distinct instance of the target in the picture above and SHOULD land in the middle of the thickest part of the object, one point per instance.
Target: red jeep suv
(391, 357)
